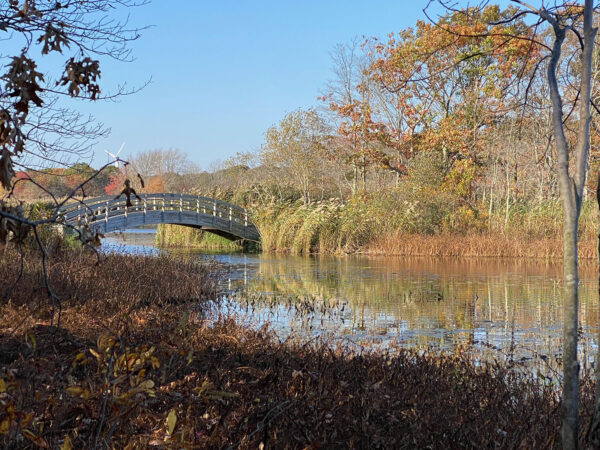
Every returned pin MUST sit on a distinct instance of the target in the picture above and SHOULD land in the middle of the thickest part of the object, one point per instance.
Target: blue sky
(224, 71)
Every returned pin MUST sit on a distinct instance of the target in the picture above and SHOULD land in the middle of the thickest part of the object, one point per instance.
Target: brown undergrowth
(487, 245)
(138, 365)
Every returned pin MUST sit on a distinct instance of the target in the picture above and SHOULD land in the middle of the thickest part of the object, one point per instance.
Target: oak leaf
(7, 171)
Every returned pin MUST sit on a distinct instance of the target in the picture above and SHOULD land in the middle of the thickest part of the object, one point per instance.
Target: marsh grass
(325, 227)
(80, 279)
(180, 236)
(487, 245)
(435, 226)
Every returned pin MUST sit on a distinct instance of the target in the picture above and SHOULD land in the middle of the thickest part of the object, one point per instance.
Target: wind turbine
(115, 157)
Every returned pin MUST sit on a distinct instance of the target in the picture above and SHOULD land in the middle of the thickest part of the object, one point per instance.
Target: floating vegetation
(300, 306)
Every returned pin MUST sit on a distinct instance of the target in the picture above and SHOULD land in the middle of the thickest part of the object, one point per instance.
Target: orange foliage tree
(449, 80)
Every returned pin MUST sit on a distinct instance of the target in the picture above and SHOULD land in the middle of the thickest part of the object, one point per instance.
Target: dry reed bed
(389, 223)
(78, 278)
(131, 367)
(474, 246)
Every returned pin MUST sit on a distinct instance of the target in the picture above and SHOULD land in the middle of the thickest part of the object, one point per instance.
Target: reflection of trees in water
(435, 301)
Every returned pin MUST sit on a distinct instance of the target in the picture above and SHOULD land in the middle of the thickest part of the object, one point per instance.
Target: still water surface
(504, 308)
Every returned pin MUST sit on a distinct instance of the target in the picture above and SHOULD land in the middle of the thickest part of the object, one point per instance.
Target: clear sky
(224, 71)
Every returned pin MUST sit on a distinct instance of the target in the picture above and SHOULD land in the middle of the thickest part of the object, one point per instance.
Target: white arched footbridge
(105, 214)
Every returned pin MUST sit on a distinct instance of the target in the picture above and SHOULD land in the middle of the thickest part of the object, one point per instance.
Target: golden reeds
(487, 245)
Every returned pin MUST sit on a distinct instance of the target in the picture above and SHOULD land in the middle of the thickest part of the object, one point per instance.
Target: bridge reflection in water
(106, 214)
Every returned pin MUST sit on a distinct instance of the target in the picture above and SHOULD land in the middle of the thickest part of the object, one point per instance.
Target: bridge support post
(106, 213)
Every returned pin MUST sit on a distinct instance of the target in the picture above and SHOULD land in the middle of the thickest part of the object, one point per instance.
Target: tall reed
(438, 225)
(168, 235)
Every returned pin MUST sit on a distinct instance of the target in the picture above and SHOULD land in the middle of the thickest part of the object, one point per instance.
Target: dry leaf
(171, 421)
(7, 171)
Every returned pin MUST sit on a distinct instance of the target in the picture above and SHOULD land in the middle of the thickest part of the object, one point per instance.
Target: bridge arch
(105, 214)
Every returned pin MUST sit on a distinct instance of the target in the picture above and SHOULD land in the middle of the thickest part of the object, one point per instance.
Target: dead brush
(218, 385)
(115, 283)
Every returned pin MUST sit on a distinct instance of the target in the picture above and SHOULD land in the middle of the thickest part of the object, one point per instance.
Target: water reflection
(484, 303)
(497, 307)
(139, 241)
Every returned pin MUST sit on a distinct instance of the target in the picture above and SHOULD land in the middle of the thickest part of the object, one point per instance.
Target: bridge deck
(105, 214)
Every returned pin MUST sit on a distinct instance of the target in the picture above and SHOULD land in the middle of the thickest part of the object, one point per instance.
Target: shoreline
(439, 245)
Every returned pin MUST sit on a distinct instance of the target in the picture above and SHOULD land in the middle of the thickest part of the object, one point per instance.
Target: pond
(500, 308)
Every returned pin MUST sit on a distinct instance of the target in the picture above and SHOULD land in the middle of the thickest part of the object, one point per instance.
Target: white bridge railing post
(106, 212)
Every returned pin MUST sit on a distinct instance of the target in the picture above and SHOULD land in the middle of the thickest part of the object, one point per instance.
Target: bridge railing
(103, 208)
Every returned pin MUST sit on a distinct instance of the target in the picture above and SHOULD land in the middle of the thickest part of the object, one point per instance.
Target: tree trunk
(568, 194)
(570, 399)
(571, 192)
(507, 205)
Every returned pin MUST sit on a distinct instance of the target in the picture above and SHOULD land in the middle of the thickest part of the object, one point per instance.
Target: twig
(277, 410)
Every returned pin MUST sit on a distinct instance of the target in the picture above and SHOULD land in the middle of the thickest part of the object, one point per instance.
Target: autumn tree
(163, 169)
(563, 19)
(441, 84)
(296, 146)
(346, 96)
